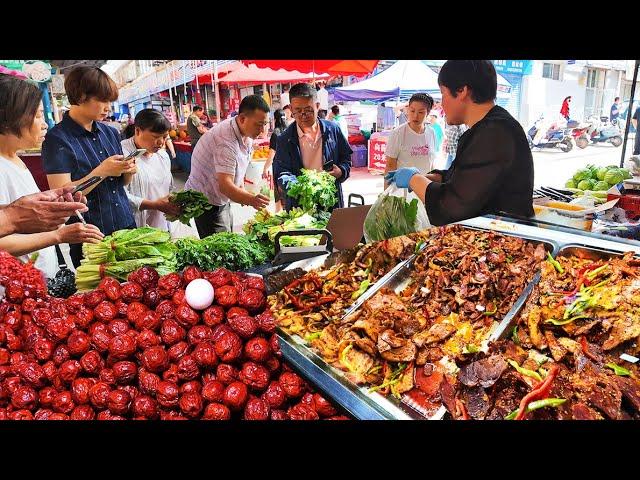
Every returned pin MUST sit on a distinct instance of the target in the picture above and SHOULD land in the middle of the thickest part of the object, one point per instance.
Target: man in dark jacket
(310, 143)
(493, 171)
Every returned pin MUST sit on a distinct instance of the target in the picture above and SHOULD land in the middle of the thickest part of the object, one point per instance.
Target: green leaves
(391, 217)
(229, 250)
(191, 202)
(314, 190)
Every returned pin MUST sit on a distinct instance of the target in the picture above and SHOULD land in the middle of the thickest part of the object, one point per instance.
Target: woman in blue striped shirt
(80, 147)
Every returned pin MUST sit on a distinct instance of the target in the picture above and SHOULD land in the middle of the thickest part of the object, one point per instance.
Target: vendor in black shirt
(493, 171)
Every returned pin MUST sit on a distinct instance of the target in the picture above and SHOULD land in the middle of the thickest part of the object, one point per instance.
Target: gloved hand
(402, 176)
(288, 180)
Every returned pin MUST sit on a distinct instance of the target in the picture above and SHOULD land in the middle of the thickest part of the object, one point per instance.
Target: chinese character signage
(523, 67)
(377, 160)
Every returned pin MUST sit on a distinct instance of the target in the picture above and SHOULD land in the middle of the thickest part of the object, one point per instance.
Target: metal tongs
(555, 194)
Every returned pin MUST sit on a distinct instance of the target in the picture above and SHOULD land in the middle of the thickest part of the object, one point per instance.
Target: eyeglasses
(300, 113)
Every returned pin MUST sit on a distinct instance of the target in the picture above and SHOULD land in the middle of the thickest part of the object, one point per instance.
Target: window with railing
(551, 71)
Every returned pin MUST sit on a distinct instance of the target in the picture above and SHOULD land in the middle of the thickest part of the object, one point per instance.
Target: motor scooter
(554, 138)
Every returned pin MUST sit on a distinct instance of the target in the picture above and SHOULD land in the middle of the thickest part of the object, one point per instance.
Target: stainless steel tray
(357, 400)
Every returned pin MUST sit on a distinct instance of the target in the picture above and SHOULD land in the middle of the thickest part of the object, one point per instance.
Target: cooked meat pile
(563, 359)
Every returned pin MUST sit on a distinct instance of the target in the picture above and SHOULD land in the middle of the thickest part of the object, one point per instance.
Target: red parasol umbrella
(332, 67)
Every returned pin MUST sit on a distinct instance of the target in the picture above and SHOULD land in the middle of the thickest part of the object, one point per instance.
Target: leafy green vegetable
(555, 263)
(363, 288)
(264, 226)
(192, 204)
(229, 250)
(390, 217)
(314, 190)
(124, 251)
(614, 177)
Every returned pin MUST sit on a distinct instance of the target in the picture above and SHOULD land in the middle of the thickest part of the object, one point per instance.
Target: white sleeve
(393, 144)
(134, 200)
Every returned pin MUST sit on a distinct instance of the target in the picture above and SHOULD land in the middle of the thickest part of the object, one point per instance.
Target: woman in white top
(150, 187)
(413, 144)
(23, 126)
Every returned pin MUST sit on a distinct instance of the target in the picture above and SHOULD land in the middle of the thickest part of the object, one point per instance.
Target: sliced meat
(359, 365)
(406, 381)
(367, 346)
(534, 331)
(584, 329)
(407, 325)
(405, 353)
(623, 329)
(396, 247)
(436, 333)
(388, 340)
(448, 395)
(477, 402)
(580, 411)
(370, 325)
(483, 372)
(630, 389)
(385, 299)
(540, 253)
(569, 344)
(557, 350)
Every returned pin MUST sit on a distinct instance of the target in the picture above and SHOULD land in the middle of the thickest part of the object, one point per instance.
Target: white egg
(199, 294)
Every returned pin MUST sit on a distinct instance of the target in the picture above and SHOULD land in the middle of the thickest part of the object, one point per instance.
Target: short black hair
(286, 107)
(423, 98)
(152, 120)
(19, 102)
(251, 103)
(478, 75)
(336, 110)
(616, 99)
(303, 90)
(84, 83)
(197, 108)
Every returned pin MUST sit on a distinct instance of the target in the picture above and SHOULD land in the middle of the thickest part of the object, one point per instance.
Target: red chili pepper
(585, 349)
(538, 393)
(582, 279)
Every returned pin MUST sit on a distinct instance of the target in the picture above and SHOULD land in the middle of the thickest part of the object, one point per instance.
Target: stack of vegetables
(595, 181)
(390, 217)
(229, 250)
(264, 226)
(124, 251)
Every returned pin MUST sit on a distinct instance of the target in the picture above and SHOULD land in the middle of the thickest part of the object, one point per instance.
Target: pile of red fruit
(137, 350)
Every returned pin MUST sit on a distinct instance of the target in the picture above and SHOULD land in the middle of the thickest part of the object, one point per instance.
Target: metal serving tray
(591, 253)
(357, 400)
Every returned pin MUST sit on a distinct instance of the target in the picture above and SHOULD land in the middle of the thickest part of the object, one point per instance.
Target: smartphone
(86, 184)
(134, 154)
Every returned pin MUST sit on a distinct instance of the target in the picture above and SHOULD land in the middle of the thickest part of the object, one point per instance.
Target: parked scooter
(602, 131)
(554, 138)
(580, 135)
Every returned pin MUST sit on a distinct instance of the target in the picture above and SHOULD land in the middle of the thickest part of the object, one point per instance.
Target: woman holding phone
(149, 191)
(22, 126)
(81, 146)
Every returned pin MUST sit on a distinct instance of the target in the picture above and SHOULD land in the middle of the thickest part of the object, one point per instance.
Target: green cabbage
(601, 186)
(570, 184)
(613, 177)
(585, 185)
(601, 173)
(582, 174)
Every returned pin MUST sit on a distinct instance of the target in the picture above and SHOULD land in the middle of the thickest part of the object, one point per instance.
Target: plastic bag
(396, 212)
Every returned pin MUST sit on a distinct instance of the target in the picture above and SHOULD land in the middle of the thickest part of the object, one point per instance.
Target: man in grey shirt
(219, 164)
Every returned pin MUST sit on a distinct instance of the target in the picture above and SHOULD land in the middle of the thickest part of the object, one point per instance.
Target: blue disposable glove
(402, 176)
(288, 180)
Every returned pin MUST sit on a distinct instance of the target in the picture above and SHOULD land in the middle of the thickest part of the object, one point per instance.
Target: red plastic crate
(629, 202)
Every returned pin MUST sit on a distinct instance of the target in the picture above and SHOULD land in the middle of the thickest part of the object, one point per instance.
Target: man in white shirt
(323, 101)
(220, 161)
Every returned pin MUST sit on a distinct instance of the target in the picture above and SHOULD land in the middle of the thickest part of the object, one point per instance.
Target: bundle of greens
(390, 217)
(124, 251)
(264, 226)
(314, 190)
(229, 250)
(192, 205)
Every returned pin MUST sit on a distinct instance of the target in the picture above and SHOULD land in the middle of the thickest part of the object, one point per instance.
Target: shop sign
(377, 159)
(37, 71)
(523, 67)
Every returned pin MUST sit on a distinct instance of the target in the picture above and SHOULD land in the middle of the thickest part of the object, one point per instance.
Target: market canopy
(205, 78)
(332, 67)
(253, 74)
(403, 79)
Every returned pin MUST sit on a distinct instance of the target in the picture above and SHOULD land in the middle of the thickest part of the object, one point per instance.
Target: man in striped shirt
(452, 135)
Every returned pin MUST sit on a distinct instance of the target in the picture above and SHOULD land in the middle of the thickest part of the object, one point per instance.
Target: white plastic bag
(396, 212)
